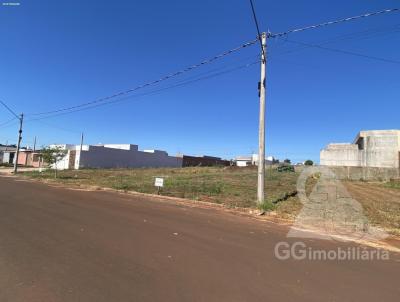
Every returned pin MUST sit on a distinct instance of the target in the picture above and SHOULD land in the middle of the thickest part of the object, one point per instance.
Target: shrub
(285, 168)
(309, 162)
(266, 206)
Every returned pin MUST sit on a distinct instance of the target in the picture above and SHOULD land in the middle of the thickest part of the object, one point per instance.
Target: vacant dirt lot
(381, 203)
(231, 186)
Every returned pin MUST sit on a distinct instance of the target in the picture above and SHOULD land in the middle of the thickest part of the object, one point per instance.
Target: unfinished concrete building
(375, 148)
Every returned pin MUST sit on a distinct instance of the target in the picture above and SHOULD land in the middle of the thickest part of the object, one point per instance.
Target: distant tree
(309, 162)
(287, 161)
(52, 156)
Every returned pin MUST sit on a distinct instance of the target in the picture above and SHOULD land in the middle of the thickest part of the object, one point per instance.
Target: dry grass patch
(381, 203)
(231, 186)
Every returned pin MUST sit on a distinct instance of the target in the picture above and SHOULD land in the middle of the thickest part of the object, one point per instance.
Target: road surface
(63, 245)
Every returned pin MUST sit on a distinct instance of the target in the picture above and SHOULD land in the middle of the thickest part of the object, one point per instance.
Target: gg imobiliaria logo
(329, 213)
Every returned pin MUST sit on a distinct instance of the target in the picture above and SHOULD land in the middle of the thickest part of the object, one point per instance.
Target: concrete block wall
(341, 155)
(106, 157)
(365, 173)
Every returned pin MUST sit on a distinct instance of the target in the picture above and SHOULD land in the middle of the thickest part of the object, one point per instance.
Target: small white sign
(159, 182)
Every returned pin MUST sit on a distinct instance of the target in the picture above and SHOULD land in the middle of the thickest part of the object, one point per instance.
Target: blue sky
(61, 53)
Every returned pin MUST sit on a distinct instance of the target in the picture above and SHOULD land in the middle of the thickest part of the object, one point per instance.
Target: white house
(244, 161)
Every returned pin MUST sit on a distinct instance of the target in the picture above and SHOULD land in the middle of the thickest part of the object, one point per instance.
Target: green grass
(231, 186)
(267, 206)
(393, 184)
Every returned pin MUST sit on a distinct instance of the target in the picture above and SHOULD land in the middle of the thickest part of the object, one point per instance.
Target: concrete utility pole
(21, 121)
(80, 149)
(261, 131)
(34, 145)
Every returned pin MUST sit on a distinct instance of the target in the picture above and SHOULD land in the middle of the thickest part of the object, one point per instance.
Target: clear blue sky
(61, 53)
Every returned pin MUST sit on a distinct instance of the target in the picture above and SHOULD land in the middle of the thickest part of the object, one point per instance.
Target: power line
(7, 122)
(166, 77)
(272, 35)
(153, 92)
(207, 61)
(257, 27)
(189, 80)
(345, 52)
(9, 109)
(359, 35)
(219, 68)
(54, 126)
(9, 125)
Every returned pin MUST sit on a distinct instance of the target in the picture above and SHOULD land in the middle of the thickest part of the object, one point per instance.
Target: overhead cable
(166, 77)
(391, 10)
(157, 91)
(345, 52)
(9, 109)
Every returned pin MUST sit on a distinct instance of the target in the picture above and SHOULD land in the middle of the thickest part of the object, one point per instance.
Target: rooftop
(366, 133)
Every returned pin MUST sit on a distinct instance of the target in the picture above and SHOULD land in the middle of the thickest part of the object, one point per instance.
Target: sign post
(159, 183)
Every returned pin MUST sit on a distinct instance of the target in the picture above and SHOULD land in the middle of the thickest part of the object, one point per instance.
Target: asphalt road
(63, 245)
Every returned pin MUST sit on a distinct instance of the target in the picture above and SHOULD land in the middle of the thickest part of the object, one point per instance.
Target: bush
(309, 162)
(266, 206)
(6, 165)
(285, 168)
